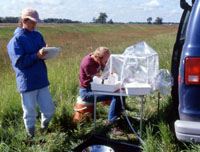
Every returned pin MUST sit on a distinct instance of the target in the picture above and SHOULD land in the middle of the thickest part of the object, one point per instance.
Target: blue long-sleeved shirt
(31, 72)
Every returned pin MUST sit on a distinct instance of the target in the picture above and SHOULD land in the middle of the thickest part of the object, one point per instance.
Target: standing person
(25, 50)
(91, 66)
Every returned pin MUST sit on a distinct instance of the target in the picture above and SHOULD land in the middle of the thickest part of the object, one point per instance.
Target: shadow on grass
(167, 114)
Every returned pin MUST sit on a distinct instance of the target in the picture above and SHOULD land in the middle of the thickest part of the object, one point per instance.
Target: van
(185, 69)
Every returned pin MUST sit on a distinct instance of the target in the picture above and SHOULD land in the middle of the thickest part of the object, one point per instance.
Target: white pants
(46, 106)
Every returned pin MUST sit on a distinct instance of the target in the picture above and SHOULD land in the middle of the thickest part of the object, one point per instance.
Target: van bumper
(188, 131)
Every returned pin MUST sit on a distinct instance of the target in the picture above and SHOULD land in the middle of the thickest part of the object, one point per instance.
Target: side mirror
(185, 5)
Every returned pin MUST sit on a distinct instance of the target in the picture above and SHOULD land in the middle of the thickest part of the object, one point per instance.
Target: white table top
(117, 93)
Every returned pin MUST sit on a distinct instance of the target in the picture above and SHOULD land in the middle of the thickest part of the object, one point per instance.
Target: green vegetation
(76, 41)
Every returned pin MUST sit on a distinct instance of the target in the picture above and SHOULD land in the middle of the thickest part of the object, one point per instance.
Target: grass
(76, 41)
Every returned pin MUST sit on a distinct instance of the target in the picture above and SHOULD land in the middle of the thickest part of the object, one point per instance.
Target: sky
(85, 10)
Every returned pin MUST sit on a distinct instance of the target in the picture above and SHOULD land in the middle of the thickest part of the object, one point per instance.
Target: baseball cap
(31, 14)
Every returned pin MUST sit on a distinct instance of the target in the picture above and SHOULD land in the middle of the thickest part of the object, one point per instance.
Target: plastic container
(112, 79)
(105, 87)
(163, 81)
(137, 88)
(83, 110)
(97, 80)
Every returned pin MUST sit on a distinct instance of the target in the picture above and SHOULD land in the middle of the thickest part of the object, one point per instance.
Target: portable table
(123, 93)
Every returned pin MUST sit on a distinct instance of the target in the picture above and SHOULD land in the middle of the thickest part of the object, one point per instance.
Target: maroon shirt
(88, 69)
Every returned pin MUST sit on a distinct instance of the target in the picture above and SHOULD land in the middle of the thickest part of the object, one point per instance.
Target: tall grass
(76, 41)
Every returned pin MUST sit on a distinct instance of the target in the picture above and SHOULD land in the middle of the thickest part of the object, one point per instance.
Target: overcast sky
(86, 10)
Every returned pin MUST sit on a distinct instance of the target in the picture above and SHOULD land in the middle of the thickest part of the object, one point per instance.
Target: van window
(183, 31)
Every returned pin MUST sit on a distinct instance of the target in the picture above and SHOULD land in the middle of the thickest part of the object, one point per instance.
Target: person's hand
(41, 53)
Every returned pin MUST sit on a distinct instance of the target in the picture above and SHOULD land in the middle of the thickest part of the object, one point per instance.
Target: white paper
(52, 52)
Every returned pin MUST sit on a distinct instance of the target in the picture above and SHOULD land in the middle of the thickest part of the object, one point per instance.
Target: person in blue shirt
(26, 53)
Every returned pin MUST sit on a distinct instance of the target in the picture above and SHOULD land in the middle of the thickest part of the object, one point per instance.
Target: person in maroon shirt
(91, 66)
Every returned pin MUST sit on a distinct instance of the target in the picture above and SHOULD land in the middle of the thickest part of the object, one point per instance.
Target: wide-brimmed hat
(31, 14)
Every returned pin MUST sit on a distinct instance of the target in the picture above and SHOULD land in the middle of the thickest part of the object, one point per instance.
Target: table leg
(95, 104)
(158, 102)
(141, 115)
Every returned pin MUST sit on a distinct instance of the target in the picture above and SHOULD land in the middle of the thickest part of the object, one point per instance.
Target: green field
(76, 41)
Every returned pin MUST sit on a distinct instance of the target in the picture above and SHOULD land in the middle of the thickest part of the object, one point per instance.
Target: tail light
(192, 70)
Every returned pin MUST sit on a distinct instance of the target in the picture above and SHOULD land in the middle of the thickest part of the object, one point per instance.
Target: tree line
(101, 19)
(9, 19)
(158, 20)
(56, 20)
(48, 20)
